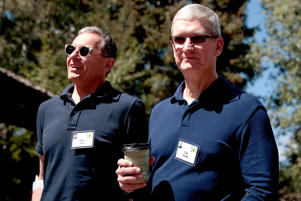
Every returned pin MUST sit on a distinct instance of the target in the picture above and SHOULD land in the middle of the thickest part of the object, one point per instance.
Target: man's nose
(75, 53)
(187, 44)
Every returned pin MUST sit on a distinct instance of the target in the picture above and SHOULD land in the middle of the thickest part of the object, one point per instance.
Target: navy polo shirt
(220, 147)
(87, 173)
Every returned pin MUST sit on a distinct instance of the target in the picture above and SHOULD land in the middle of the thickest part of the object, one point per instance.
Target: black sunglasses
(83, 51)
(194, 39)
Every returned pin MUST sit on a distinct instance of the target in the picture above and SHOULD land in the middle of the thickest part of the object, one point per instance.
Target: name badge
(187, 152)
(82, 139)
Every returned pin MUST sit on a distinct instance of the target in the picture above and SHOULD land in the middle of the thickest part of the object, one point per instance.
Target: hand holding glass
(138, 154)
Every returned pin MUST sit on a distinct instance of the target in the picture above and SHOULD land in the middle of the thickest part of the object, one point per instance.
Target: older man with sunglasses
(210, 140)
(81, 132)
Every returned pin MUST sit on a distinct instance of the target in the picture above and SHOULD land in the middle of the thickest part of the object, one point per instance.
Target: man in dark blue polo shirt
(210, 140)
(81, 132)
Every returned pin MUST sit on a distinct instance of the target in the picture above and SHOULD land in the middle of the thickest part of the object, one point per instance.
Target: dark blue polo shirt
(220, 147)
(87, 173)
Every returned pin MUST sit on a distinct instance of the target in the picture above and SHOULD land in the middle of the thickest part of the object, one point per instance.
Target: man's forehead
(187, 23)
(190, 19)
(87, 39)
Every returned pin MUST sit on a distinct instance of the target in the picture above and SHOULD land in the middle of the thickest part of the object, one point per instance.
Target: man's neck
(193, 88)
(81, 91)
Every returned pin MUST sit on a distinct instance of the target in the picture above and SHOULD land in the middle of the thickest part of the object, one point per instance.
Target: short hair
(108, 48)
(199, 12)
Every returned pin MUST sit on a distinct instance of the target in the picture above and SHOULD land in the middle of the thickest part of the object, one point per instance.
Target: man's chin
(73, 77)
(187, 66)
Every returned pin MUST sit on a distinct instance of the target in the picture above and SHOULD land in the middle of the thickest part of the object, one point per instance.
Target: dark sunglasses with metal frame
(194, 39)
(83, 51)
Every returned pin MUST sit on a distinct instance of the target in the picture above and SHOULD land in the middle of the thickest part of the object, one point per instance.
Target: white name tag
(187, 152)
(82, 139)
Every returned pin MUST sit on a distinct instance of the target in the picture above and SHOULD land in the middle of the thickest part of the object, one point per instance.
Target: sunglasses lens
(69, 49)
(197, 39)
(179, 40)
(194, 39)
(84, 51)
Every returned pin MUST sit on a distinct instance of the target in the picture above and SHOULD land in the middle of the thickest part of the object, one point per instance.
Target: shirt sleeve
(137, 131)
(39, 129)
(259, 158)
(136, 123)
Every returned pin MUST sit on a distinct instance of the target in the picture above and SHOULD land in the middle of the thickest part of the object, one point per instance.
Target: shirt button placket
(73, 119)
(185, 117)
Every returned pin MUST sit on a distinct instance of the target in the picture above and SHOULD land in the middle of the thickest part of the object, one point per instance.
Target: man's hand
(128, 175)
(36, 195)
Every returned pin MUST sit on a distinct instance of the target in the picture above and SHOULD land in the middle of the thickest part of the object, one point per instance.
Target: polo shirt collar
(217, 92)
(178, 95)
(106, 91)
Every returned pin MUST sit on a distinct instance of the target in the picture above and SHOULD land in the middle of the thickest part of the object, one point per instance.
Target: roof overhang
(20, 100)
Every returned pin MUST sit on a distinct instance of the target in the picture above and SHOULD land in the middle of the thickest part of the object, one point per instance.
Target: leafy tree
(282, 49)
(17, 163)
(33, 34)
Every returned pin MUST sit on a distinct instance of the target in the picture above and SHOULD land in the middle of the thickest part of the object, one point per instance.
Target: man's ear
(219, 45)
(109, 64)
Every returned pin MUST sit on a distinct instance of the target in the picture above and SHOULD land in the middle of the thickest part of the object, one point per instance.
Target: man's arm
(136, 124)
(37, 192)
(259, 158)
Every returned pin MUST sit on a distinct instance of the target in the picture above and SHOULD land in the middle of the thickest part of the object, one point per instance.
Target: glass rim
(135, 146)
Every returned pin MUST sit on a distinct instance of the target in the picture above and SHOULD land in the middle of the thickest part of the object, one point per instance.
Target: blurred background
(262, 55)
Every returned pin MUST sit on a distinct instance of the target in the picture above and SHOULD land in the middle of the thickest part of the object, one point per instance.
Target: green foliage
(283, 50)
(18, 160)
(32, 42)
(33, 34)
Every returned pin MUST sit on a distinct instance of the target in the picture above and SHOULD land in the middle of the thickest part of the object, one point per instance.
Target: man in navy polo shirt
(81, 132)
(210, 140)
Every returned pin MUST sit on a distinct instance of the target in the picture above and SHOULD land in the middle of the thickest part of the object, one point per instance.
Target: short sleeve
(259, 158)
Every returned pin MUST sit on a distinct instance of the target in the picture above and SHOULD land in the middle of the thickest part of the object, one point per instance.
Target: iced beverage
(138, 154)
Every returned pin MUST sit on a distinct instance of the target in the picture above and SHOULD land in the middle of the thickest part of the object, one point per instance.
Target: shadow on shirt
(163, 191)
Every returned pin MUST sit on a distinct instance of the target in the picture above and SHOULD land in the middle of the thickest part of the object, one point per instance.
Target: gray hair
(199, 12)
(108, 46)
